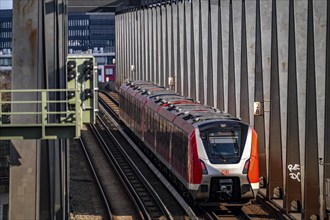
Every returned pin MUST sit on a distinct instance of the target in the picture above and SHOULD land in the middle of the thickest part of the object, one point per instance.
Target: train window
(109, 72)
(223, 146)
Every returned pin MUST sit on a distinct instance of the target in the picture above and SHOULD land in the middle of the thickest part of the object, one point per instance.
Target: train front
(228, 151)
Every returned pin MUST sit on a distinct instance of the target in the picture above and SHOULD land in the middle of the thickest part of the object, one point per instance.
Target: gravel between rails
(85, 200)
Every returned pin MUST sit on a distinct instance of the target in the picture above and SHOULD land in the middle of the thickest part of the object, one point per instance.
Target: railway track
(255, 211)
(168, 194)
(146, 198)
(97, 180)
(110, 99)
(119, 202)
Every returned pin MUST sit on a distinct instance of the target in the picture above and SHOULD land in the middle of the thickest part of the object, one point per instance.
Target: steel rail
(146, 196)
(272, 208)
(127, 186)
(105, 103)
(105, 200)
(184, 205)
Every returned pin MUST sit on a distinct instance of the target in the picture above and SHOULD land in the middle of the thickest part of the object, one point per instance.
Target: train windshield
(222, 146)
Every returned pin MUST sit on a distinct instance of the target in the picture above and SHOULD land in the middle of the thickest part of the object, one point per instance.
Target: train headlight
(204, 170)
(246, 167)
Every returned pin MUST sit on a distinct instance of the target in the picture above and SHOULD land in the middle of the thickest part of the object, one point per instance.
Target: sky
(6, 4)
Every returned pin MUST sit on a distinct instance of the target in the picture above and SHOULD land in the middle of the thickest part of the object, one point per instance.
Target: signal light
(72, 74)
(71, 94)
(88, 93)
(87, 74)
(88, 64)
(71, 65)
(204, 170)
(88, 68)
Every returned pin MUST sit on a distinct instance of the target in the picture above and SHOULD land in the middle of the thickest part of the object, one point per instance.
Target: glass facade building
(87, 32)
(91, 31)
(6, 29)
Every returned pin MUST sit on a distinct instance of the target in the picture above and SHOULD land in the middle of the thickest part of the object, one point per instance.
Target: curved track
(175, 203)
(145, 196)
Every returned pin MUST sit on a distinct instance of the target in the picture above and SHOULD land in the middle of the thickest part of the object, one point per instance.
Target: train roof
(171, 105)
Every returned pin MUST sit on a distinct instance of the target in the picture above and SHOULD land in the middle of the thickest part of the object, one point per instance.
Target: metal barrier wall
(264, 61)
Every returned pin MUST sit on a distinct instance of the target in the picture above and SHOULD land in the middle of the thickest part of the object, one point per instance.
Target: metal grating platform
(31, 119)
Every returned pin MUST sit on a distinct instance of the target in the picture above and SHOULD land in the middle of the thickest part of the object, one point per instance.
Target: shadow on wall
(15, 157)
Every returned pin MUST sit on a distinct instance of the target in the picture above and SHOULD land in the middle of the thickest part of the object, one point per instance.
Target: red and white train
(211, 155)
(107, 73)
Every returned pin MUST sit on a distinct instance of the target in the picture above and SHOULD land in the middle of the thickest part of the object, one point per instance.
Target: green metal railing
(43, 123)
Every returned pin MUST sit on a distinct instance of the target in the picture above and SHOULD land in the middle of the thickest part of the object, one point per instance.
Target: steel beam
(192, 54)
(39, 190)
(259, 120)
(327, 119)
(220, 86)
(231, 66)
(275, 180)
(200, 57)
(209, 72)
(185, 77)
(311, 204)
(178, 57)
(292, 202)
(244, 94)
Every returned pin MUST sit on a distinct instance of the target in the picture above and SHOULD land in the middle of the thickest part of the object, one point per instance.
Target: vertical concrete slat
(209, 72)
(126, 73)
(133, 47)
(118, 48)
(225, 49)
(165, 46)
(244, 97)
(152, 54)
(147, 45)
(231, 66)
(185, 52)
(141, 45)
(172, 43)
(275, 183)
(129, 46)
(327, 113)
(192, 54)
(157, 52)
(161, 52)
(293, 173)
(137, 44)
(220, 86)
(250, 15)
(200, 58)
(178, 57)
(311, 194)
